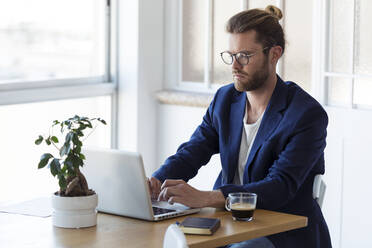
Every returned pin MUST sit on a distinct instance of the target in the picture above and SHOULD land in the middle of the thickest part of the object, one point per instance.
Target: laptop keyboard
(162, 210)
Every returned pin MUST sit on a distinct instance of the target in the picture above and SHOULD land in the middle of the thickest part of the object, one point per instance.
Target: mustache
(239, 72)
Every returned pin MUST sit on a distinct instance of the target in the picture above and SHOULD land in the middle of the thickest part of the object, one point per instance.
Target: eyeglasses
(241, 57)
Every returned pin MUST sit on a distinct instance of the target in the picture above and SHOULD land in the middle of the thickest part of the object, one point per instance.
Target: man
(270, 135)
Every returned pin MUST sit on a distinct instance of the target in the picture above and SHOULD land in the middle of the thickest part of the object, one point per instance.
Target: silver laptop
(118, 177)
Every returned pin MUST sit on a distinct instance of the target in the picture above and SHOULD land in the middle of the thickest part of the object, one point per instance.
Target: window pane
(51, 39)
(223, 10)
(363, 38)
(362, 91)
(297, 55)
(20, 126)
(341, 41)
(260, 3)
(339, 91)
(193, 33)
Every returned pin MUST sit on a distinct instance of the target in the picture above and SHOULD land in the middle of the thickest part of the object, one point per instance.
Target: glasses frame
(233, 56)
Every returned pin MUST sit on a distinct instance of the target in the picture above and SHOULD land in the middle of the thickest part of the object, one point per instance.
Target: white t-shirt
(248, 135)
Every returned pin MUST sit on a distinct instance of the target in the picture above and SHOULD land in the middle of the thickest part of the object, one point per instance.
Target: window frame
(322, 57)
(173, 48)
(69, 88)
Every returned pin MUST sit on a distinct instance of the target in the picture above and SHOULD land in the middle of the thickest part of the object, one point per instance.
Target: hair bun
(274, 11)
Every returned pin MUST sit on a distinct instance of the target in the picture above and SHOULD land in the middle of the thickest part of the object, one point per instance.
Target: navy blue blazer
(287, 153)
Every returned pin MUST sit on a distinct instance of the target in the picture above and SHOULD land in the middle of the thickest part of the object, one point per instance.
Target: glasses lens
(242, 58)
(227, 58)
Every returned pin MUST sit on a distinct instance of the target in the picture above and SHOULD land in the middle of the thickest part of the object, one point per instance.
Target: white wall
(175, 126)
(333, 178)
(348, 177)
(140, 65)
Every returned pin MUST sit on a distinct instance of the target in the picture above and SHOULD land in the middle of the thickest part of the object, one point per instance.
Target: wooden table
(117, 231)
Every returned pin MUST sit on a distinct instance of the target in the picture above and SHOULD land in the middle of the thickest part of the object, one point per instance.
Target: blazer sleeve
(191, 155)
(304, 148)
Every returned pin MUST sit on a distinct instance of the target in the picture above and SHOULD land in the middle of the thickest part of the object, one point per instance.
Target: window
(20, 126)
(55, 62)
(53, 39)
(195, 36)
(346, 74)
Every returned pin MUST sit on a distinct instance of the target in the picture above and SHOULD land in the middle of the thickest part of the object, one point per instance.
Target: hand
(154, 186)
(181, 192)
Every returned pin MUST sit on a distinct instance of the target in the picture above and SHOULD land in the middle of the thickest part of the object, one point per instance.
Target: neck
(259, 99)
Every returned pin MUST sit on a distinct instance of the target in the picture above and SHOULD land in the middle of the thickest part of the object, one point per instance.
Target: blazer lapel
(270, 121)
(235, 132)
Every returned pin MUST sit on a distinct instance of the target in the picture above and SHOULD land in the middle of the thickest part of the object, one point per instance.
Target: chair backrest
(319, 188)
(174, 238)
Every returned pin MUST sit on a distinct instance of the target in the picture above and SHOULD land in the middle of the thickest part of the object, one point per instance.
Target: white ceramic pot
(74, 212)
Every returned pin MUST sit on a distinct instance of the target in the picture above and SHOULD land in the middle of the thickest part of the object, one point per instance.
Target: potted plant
(74, 204)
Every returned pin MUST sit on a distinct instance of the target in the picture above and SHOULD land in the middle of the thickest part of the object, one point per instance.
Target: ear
(276, 53)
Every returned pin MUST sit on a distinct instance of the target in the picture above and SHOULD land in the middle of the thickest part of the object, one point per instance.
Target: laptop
(118, 177)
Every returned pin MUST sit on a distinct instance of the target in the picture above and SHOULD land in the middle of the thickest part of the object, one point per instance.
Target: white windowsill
(184, 98)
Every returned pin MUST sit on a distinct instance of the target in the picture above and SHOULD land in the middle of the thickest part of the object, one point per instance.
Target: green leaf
(55, 167)
(80, 133)
(103, 121)
(44, 160)
(76, 161)
(75, 139)
(77, 149)
(39, 140)
(55, 122)
(48, 141)
(82, 127)
(69, 136)
(71, 173)
(65, 149)
(68, 165)
(81, 162)
(82, 156)
(64, 168)
(89, 124)
(68, 124)
(54, 139)
(62, 181)
(80, 124)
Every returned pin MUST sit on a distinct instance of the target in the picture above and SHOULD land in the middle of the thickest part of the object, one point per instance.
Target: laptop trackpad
(164, 204)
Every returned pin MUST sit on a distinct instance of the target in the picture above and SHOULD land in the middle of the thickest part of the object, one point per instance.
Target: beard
(253, 82)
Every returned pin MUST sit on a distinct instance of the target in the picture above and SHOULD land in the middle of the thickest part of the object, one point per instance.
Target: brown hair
(264, 22)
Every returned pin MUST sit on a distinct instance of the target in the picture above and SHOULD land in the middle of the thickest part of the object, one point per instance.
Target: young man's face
(253, 75)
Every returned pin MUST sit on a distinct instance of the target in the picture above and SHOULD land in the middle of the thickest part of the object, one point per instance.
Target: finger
(171, 182)
(155, 185)
(168, 192)
(163, 195)
(149, 185)
(177, 199)
(177, 190)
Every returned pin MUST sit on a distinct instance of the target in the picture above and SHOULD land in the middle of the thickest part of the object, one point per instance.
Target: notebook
(198, 225)
(118, 177)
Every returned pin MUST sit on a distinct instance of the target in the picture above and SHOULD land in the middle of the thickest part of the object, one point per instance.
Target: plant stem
(50, 135)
